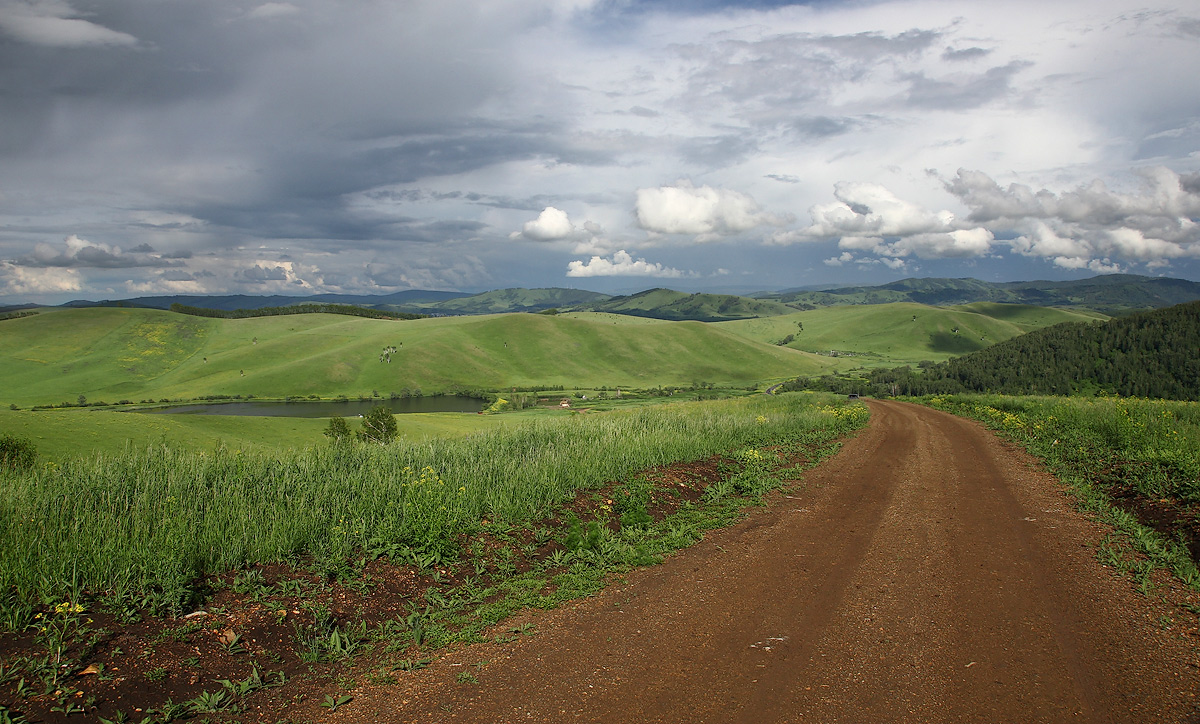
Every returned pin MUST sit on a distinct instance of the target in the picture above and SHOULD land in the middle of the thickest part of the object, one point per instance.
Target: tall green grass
(157, 519)
(1100, 445)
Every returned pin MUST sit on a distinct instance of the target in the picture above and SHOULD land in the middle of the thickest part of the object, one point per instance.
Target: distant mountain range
(246, 301)
(1114, 294)
(673, 305)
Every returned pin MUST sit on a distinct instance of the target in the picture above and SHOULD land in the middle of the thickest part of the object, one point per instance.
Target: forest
(1151, 354)
(348, 309)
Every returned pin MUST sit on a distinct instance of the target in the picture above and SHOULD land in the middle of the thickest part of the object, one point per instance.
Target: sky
(300, 147)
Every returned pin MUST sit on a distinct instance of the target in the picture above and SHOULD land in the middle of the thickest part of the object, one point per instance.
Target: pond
(327, 408)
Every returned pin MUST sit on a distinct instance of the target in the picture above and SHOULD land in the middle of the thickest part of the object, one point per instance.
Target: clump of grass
(17, 453)
(156, 520)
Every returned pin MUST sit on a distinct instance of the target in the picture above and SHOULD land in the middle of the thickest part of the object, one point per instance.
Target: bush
(17, 453)
(379, 425)
(338, 430)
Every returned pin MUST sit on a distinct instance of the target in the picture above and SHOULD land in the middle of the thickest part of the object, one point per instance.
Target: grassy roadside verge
(1133, 463)
(291, 628)
(153, 521)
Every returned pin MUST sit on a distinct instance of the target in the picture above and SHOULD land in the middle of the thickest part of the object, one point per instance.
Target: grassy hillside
(673, 305)
(134, 354)
(500, 301)
(1109, 294)
(886, 334)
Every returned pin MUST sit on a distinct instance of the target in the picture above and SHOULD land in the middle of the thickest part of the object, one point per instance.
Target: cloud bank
(267, 146)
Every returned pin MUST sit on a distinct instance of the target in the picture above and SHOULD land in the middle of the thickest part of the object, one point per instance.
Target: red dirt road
(927, 573)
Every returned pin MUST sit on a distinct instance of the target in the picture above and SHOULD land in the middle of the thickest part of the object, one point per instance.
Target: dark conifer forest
(1152, 354)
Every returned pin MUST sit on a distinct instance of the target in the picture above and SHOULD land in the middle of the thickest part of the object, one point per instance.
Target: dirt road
(927, 573)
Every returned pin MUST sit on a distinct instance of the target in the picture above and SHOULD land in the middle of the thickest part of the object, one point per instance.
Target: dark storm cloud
(719, 151)
(962, 93)
(184, 51)
(1189, 27)
(81, 253)
(320, 222)
(953, 54)
(182, 276)
(258, 274)
(773, 79)
(642, 112)
(823, 126)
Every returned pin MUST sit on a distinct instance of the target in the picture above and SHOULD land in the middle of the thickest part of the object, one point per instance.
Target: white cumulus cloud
(550, 225)
(704, 211)
(621, 264)
(867, 210)
(1089, 226)
(16, 279)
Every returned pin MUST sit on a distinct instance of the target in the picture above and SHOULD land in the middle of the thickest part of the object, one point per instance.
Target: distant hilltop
(1113, 295)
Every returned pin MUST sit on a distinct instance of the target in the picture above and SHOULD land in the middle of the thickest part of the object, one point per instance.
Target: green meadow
(150, 521)
(65, 433)
(138, 354)
(903, 332)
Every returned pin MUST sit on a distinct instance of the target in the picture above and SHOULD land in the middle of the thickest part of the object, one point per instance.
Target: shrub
(17, 453)
(379, 425)
(338, 430)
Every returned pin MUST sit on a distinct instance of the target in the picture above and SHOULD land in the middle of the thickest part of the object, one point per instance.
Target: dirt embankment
(927, 573)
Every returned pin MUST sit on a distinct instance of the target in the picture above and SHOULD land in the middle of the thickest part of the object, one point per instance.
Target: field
(902, 333)
(317, 554)
(136, 354)
(335, 551)
(66, 433)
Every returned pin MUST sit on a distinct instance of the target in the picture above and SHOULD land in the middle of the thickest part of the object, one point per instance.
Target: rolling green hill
(1110, 294)
(672, 305)
(500, 301)
(885, 334)
(133, 354)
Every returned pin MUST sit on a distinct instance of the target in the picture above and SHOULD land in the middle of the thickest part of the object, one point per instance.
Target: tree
(338, 430)
(379, 425)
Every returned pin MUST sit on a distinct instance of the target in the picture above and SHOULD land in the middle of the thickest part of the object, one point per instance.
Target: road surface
(927, 573)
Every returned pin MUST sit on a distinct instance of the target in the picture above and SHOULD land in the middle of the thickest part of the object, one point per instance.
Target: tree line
(1151, 354)
(348, 309)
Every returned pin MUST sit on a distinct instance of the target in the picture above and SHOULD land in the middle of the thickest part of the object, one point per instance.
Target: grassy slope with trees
(1151, 354)
(130, 354)
(673, 305)
(500, 301)
(1111, 294)
(902, 332)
